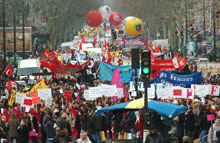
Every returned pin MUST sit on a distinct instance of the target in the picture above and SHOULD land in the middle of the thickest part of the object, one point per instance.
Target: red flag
(95, 41)
(109, 61)
(158, 49)
(10, 84)
(182, 63)
(150, 46)
(63, 52)
(105, 45)
(8, 71)
(80, 46)
(120, 62)
(83, 39)
(46, 54)
(103, 59)
(164, 49)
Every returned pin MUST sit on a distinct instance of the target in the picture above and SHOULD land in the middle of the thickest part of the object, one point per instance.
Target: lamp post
(23, 32)
(4, 34)
(14, 35)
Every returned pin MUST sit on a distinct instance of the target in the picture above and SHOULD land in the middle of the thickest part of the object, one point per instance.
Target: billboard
(19, 39)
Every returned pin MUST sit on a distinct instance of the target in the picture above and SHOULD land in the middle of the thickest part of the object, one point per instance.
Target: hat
(196, 101)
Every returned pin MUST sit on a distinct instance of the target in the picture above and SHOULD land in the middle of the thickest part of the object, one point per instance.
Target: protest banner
(107, 70)
(27, 102)
(178, 80)
(48, 102)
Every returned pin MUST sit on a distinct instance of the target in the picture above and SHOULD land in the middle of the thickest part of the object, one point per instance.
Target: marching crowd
(75, 120)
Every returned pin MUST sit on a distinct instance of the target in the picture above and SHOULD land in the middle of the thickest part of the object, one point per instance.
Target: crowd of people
(75, 120)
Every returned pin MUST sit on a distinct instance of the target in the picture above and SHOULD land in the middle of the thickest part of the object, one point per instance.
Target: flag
(10, 84)
(105, 45)
(46, 54)
(132, 76)
(158, 49)
(8, 71)
(103, 59)
(120, 62)
(182, 63)
(150, 46)
(83, 39)
(164, 49)
(95, 41)
(115, 78)
(80, 46)
(39, 85)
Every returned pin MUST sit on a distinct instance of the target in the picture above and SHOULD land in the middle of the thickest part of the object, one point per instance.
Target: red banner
(63, 68)
(158, 65)
(177, 92)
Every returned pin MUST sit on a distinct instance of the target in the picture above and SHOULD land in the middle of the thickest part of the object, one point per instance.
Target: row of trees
(67, 16)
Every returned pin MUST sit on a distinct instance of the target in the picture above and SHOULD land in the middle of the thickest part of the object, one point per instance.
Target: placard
(210, 117)
(27, 102)
(20, 98)
(33, 94)
(36, 100)
(94, 92)
(164, 91)
(140, 86)
(48, 102)
(44, 93)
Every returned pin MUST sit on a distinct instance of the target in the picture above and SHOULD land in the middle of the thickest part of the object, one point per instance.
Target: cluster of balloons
(95, 18)
(133, 26)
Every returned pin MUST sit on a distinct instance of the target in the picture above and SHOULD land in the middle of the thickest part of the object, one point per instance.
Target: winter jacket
(13, 125)
(212, 134)
(51, 133)
(130, 119)
(154, 138)
(23, 134)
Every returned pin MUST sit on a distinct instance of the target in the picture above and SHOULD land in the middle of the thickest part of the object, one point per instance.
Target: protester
(84, 138)
(153, 136)
(212, 138)
(13, 125)
(23, 132)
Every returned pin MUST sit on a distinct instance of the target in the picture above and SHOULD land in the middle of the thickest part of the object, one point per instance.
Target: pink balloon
(115, 18)
(94, 18)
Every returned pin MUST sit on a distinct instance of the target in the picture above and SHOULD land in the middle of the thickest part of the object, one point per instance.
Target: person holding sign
(212, 138)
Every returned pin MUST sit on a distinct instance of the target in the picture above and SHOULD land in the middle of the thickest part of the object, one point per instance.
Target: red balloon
(115, 18)
(93, 18)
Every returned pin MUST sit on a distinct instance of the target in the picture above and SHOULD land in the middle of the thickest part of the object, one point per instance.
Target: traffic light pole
(145, 103)
(136, 83)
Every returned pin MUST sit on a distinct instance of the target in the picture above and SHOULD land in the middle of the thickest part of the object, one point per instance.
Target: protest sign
(27, 102)
(164, 91)
(210, 117)
(215, 90)
(44, 93)
(34, 94)
(201, 90)
(140, 86)
(20, 98)
(48, 102)
(36, 100)
(94, 92)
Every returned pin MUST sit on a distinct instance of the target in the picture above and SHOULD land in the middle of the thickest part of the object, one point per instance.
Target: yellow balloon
(133, 26)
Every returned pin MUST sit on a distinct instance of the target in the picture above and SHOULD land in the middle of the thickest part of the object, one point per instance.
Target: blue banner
(107, 70)
(178, 80)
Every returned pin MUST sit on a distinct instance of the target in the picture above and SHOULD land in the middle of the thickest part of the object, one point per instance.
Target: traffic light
(146, 64)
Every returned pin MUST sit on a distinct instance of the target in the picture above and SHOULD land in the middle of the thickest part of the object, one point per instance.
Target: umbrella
(165, 109)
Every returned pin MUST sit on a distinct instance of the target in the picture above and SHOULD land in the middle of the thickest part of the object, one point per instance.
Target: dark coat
(13, 125)
(51, 133)
(189, 122)
(154, 138)
(84, 121)
(23, 134)
(130, 119)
